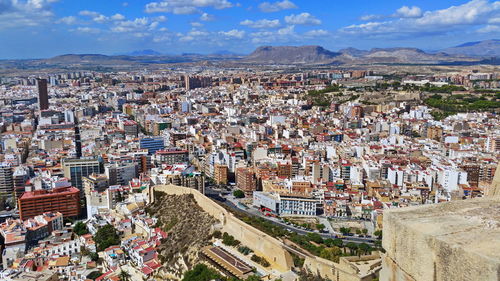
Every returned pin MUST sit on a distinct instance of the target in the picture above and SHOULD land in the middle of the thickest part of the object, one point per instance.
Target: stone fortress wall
(274, 250)
(454, 241)
(261, 243)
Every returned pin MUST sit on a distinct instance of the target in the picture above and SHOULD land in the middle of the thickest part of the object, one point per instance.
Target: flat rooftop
(227, 261)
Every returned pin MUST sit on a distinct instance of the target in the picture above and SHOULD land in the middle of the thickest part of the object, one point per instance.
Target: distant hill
(319, 55)
(487, 48)
(85, 59)
(225, 53)
(353, 52)
(481, 52)
(405, 55)
(291, 55)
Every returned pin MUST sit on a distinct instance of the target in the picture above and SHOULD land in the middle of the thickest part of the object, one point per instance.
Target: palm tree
(352, 247)
(124, 275)
(365, 248)
(338, 243)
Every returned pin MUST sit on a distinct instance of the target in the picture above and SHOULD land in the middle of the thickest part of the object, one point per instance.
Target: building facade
(65, 200)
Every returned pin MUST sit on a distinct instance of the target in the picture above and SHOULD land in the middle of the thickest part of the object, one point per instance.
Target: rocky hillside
(189, 229)
(487, 48)
(405, 55)
(291, 55)
(318, 55)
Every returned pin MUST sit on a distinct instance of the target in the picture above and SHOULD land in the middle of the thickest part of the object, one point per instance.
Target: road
(230, 202)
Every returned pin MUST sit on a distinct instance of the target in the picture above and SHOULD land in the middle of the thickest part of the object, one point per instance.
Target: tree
(365, 248)
(124, 275)
(378, 233)
(80, 228)
(239, 193)
(320, 226)
(201, 273)
(331, 254)
(338, 242)
(253, 278)
(260, 260)
(94, 275)
(345, 230)
(315, 237)
(358, 231)
(217, 234)
(352, 247)
(106, 236)
(229, 240)
(365, 231)
(94, 256)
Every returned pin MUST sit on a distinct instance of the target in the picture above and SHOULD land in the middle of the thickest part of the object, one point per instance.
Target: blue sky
(45, 28)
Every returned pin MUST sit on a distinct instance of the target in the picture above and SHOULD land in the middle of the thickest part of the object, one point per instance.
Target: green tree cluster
(106, 236)
(229, 240)
(80, 228)
(260, 260)
(94, 275)
(201, 272)
(239, 193)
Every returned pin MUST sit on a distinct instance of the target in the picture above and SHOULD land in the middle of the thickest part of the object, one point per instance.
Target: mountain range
(465, 53)
(486, 52)
(487, 48)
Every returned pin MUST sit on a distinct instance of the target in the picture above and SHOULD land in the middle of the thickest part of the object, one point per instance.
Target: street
(232, 203)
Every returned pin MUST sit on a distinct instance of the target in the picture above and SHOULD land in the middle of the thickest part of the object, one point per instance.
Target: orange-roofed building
(65, 200)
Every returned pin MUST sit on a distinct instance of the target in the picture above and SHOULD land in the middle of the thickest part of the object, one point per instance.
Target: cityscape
(272, 151)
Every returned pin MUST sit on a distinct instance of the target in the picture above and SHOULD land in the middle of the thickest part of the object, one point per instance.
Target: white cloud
(302, 19)
(408, 12)
(100, 19)
(117, 17)
(316, 33)
(489, 29)
(138, 25)
(67, 20)
(196, 24)
(163, 37)
(186, 38)
(88, 13)
(454, 18)
(185, 7)
(88, 30)
(403, 12)
(97, 17)
(17, 13)
(206, 17)
(285, 34)
(289, 30)
(263, 23)
(160, 18)
(371, 17)
(198, 33)
(233, 33)
(268, 7)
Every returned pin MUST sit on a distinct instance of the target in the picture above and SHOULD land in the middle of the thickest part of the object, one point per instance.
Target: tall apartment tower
(43, 95)
(78, 141)
(6, 179)
(77, 169)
